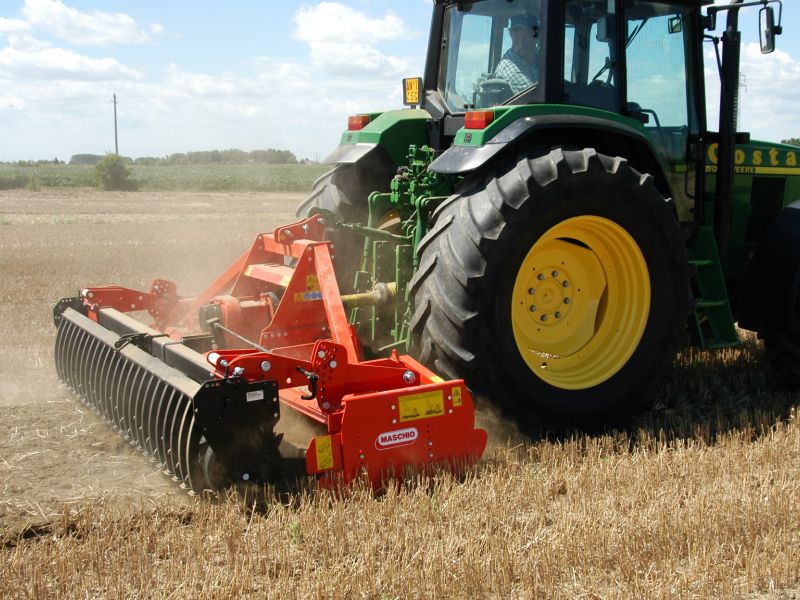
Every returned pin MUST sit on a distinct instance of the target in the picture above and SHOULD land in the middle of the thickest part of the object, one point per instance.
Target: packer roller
(201, 385)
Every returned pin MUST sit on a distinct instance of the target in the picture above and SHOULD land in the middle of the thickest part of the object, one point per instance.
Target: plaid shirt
(519, 73)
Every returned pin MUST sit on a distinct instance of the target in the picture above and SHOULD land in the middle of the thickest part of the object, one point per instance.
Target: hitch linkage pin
(313, 378)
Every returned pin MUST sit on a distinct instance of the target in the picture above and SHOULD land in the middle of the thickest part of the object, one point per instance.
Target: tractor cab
(612, 55)
(641, 60)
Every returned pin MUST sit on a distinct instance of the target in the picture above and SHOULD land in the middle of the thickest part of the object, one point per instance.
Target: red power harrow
(202, 387)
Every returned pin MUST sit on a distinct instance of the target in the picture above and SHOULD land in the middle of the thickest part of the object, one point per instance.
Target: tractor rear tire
(783, 348)
(342, 193)
(783, 356)
(558, 285)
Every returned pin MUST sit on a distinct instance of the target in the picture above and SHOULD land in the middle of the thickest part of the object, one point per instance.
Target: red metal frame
(383, 416)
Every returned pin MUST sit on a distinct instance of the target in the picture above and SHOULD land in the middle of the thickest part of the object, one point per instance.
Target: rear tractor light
(478, 119)
(356, 122)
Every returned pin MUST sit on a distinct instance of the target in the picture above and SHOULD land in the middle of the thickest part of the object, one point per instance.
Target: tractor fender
(351, 153)
(579, 131)
(363, 159)
(387, 136)
(771, 291)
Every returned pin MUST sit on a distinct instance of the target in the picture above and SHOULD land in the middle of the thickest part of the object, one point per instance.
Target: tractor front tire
(558, 285)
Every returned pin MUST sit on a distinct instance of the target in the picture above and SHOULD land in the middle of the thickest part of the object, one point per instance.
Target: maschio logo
(401, 437)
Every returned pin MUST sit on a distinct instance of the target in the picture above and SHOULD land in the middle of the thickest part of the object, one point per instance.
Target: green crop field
(201, 178)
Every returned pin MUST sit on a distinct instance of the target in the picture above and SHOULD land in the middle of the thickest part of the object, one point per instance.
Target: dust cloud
(501, 432)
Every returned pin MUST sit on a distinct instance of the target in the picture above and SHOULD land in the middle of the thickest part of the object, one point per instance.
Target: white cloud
(767, 95)
(200, 84)
(95, 28)
(282, 71)
(331, 21)
(26, 41)
(28, 57)
(50, 63)
(770, 97)
(352, 58)
(11, 102)
(342, 40)
(13, 26)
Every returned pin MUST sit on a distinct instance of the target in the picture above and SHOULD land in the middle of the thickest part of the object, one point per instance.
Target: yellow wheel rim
(580, 302)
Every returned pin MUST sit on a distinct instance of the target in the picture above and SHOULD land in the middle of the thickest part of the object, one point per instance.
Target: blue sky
(252, 74)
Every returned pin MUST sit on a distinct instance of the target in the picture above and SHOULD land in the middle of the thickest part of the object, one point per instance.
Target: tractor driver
(519, 66)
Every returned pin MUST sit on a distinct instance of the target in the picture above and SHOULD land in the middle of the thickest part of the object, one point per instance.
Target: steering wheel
(493, 91)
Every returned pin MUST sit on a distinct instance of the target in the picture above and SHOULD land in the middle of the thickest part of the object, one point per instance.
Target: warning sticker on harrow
(456, 393)
(421, 406)
(324, 452)
(312, 290)
(307, 296)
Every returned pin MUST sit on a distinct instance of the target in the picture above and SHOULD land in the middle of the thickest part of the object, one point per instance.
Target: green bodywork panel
(666, 144)
(506, 115)
(394, 131)
(767, 178)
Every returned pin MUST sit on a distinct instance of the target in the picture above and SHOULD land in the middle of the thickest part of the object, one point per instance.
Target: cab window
(477, 38)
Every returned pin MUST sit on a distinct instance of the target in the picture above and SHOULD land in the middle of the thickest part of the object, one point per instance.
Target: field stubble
(696, 499)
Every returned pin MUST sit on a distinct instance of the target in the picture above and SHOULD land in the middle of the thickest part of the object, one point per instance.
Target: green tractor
(552, 219)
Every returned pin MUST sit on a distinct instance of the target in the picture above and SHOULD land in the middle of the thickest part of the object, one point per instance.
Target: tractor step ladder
(712, 320)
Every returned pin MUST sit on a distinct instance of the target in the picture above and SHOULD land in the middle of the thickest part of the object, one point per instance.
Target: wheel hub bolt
(555, 273)
(544, 318)
(531, 291)
(533, 308)
(540, 277)
(566, 300)
(565, 284)
(558, 315)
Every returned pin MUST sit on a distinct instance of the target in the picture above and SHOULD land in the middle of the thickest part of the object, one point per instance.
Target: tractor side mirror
(606, 29)
(709, 21)
(766, 18)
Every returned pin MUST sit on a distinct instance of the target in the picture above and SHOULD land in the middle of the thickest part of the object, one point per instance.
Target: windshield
(491, 52)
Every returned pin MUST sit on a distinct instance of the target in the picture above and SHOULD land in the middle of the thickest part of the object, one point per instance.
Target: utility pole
(116, 141)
